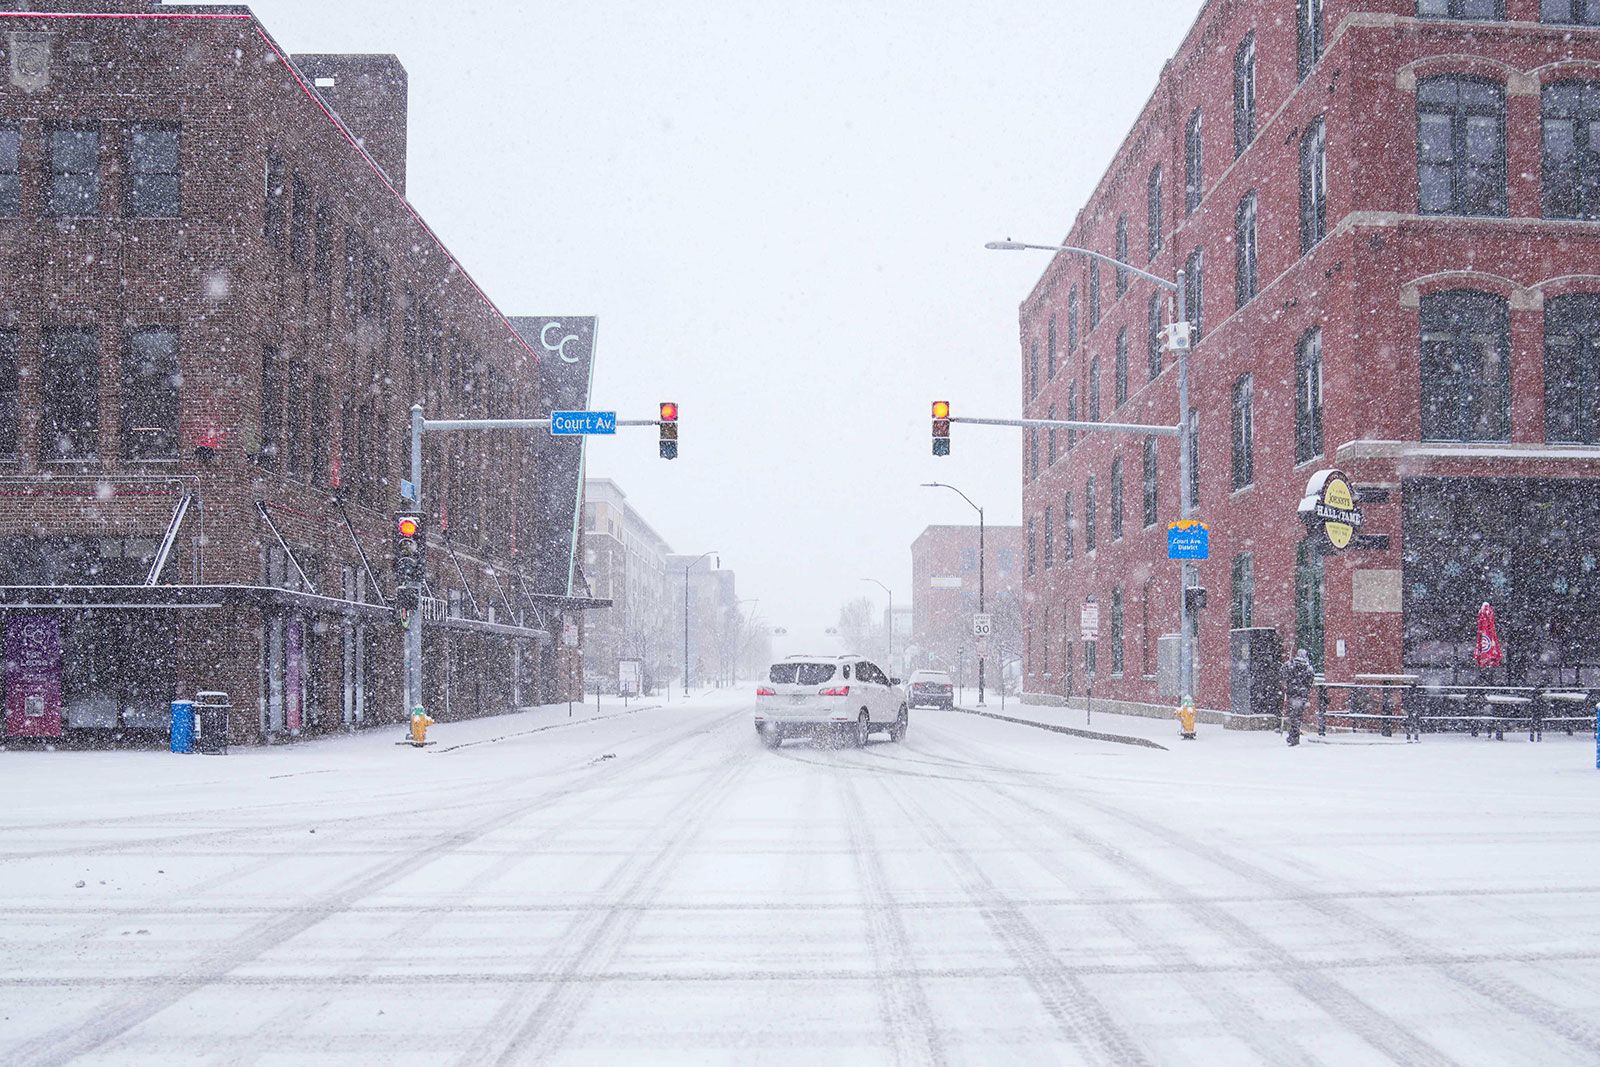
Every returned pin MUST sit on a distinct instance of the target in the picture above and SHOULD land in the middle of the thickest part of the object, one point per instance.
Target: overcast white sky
(778, 213)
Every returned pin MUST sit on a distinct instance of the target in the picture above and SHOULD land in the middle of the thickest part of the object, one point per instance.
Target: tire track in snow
(121, 1014)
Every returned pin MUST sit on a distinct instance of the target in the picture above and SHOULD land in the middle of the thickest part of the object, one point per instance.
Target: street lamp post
(981, 609)
(886, 589)
(686, 569)
(1177, 340)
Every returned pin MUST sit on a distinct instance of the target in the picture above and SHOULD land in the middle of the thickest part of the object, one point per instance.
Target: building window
(1050, 350)
(1050, 450)
(1152, 483)
(1309, 589)
(1049, 537)
(1571, 172)
(1245, 252)
(1116, 499)
(272, 398)
(300, 223)
(1308, 396)
(1116, 631)
(1153, 327)
(1570, 12)
(1033, 452)
(1094, 293)
(320, 444)
(1069, 523)
(1572, 369)
(1094, 389)
(10, 172)
(1072, 415)
(1461, 146)
(150, 383)
(1090, 538)
(1465, 367)
(1033, 371)
(1072, 320)
(1244, 591)
(1153, 212)
(1313, 185)
(1122, 254)
(1244, 428)
(1089, 658)
(1192, 171)
(1462, 9)
(9, 351)
(1194, 458)
(273, 220)
(322, 255)
(1033, 549)
(1194, 292)
(1120, 373)
(153, 172)
(74, 190)
(1309, 43)
(1244, 95)
(69, 393)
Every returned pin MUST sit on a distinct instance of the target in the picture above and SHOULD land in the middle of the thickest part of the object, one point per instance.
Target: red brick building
(1388, 210)
(944, 582)
(219, 310)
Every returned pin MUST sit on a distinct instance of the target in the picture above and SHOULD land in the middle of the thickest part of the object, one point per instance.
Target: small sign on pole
(1089, 621)
(982, 624)
(1188, 539)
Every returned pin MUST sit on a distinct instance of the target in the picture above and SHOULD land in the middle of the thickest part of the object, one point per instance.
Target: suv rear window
(801, 673)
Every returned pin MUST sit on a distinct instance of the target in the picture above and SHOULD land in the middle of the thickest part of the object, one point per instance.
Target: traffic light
(941, 427)
(409, 546)
(669, 430)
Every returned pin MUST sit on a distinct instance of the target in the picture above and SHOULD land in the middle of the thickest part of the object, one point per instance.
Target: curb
(1092, 735)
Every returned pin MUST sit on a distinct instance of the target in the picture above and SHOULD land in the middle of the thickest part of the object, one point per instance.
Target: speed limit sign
(982, 625)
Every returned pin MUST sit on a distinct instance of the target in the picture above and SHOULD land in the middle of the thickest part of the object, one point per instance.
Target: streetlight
(886, 589)
(686, 569)
(963, 496)
(1177, 339)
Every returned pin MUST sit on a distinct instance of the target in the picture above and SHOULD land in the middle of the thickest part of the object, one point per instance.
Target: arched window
(1116, 499)
(1050, 351)
(1090, 537)
(1461, 146)
(1193, 178)
(1465, 366)
(1570, 188)
(1313, 185)
(1120, 375)
(1308, 35)
(1122, 253)
(1153, 328)
(1244, 95)
(1572, 369)
(1153, 212)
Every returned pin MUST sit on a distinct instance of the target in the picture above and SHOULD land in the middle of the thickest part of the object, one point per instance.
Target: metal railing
(1416, 707)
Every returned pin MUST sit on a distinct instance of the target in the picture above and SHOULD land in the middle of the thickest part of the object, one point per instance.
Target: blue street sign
(583, 422)
(408, 491)
(1189, 539)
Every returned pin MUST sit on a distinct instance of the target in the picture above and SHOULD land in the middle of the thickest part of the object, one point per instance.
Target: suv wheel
(771, 736)
(902, 722)
(863, 728)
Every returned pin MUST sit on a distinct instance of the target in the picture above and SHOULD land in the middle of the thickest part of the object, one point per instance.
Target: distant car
(837, 698)
(930, 689)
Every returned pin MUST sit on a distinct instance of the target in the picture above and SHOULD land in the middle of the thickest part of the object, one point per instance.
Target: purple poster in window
(33, 677)
(294, 662)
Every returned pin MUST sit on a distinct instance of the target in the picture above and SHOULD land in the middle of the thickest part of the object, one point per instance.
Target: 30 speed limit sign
(982, 625)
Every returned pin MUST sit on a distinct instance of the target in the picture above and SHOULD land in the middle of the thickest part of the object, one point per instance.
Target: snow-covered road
(652, 886)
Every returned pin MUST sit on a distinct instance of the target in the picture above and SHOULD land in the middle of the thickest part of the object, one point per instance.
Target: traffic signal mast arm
(513, 424)
(1073, 424)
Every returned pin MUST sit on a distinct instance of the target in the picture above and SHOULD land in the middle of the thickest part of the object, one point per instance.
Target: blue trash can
(183, 726)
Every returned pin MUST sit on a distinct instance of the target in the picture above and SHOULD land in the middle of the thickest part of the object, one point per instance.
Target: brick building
(1387, 209)
(944, 583)
(219, 309)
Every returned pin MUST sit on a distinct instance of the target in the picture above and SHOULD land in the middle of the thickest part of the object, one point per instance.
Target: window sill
(1242, 490)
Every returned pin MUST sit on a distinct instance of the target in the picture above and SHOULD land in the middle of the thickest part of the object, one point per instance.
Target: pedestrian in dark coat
(1296, 677)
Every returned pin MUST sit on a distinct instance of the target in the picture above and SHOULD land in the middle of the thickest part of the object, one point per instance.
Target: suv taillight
(836, 691)
(766, 691)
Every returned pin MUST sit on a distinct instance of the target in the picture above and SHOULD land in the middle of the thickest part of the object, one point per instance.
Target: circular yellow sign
(1337, 494)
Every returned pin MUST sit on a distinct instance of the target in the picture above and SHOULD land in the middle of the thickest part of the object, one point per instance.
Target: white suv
(839, 697)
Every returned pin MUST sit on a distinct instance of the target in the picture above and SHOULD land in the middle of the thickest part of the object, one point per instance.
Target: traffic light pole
(419, 425)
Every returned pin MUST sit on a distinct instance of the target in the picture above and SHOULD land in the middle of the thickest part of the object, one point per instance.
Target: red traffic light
(941, 409)
(669, 412)
(407, 525)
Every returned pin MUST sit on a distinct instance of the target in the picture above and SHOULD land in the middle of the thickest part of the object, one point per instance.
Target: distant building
(625, 562)
(944, 573)
(1388, 214)
(219, 308)
(717, 628)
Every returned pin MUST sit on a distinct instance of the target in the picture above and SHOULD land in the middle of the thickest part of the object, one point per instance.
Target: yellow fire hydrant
(419, 726)
(1186, 719)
